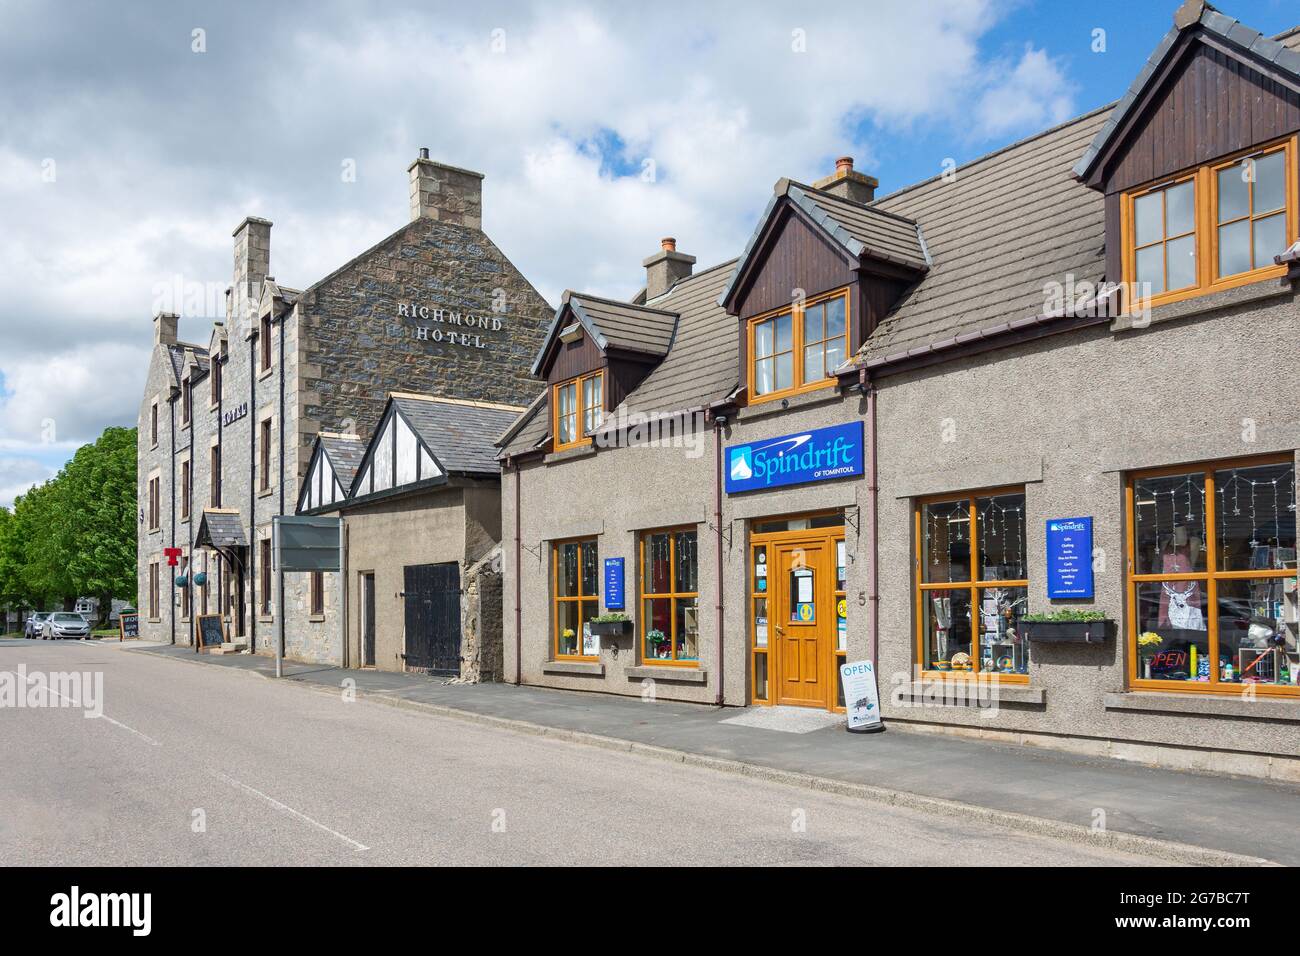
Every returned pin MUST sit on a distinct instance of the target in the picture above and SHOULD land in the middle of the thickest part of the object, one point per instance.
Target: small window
(153, 591)
(265, 572)
(185, 489)
(153, 424)
(264, 455)
(215, 477)
(186, 402)
(264, 335)
(155, 504)
(797, 349)
(214, 380)
(1251, 213)
(317, 593)
(670, 613)
(579, 409)
(576, 577)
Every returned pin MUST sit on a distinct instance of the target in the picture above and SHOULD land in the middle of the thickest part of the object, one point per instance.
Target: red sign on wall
(172, 555)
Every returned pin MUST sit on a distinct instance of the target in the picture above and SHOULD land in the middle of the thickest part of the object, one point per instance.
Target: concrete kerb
(1118, 840)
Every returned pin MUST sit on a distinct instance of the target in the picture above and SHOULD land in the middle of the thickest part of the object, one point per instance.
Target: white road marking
(101, 716)
(287, 809)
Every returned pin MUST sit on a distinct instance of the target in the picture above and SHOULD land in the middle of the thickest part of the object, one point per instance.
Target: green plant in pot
(1067, 625)
(657, 638)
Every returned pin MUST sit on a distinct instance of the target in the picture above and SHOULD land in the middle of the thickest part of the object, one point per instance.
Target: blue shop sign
(1069, 558)
(817, 455)
(614, 584)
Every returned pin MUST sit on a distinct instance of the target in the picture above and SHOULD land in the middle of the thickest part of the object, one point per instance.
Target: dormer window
(795, 349)
(579, 406)
(1212, 228)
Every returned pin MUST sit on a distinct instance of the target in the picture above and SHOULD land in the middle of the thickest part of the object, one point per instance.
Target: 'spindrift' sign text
(817, 455)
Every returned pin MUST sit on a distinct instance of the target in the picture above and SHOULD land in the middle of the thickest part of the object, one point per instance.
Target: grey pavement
(200, 765)
(1235, 815)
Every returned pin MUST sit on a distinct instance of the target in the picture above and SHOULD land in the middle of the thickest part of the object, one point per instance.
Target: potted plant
(1067, 626)
(611, 624)
(1148, 644)
(659, 640)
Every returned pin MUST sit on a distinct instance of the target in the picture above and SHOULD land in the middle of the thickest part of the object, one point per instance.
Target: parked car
(32, 626)
(63, 624)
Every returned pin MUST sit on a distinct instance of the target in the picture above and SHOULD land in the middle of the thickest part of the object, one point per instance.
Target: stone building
(227, 427)
(928, 430)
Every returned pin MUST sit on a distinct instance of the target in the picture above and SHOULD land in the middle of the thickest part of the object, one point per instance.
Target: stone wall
(481, 620)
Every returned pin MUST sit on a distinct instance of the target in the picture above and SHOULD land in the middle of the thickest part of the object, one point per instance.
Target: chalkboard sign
(128, 625)
(211, 630)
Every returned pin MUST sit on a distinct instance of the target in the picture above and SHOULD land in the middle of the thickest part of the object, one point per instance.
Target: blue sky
(128, 154)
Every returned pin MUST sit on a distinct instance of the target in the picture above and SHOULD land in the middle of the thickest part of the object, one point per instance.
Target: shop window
(1212, 585)
(972, 585)
(576, 598)
(579, 408)
(1215, 227)
(796, 350)
(670, 630)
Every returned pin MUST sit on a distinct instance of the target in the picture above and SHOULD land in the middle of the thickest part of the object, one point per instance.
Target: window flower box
(611, 628)
(1068, 630)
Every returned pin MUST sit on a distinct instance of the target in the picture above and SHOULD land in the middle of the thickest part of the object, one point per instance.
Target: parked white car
(34, 624)
(63, 624)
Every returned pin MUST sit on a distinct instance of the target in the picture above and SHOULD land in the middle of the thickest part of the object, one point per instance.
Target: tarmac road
(195, 765)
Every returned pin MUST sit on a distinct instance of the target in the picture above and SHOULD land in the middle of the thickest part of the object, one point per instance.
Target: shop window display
(576, 599)
(670, 597)
(1214, 581)
(973, 587)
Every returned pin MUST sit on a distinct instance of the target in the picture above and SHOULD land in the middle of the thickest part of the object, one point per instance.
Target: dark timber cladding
(801, 257)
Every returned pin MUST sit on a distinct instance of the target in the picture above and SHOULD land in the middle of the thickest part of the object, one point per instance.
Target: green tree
(39, 530)
(96, 529)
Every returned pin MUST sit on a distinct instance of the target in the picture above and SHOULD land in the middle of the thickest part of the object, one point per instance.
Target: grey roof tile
(345, 454)
(460, 434)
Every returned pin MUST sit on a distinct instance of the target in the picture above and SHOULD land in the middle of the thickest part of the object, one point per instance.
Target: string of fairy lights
(1001, 530)
(1234, 491)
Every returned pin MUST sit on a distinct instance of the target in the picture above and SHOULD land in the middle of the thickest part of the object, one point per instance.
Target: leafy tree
(97, 528)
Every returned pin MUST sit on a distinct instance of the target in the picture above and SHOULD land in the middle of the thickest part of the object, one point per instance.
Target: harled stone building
(227, 426)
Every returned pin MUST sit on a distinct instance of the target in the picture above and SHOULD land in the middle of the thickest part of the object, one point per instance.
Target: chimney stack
(445, 193)
(165, 328)
(848, 183)
(666, 267)
(252, 263)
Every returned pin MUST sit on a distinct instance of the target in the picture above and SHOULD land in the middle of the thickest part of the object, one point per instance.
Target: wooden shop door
(804, 622)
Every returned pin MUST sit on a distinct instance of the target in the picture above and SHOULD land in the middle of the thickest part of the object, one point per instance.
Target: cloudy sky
(134, 136)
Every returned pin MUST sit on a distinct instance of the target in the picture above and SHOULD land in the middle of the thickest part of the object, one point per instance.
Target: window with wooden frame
(317, 595)
(153, 424)
(154, 603)
(185, 490)
(215, 475)
(264, 334)
(576, 597)
(795, 349)
(214, 381)
(264, 572)
(579, 407)
(1215, 227)
(264, 455)
(972, 586)
(758, 599)
(1212, 599)
(187, 402)
(155, 503)
(670, 625)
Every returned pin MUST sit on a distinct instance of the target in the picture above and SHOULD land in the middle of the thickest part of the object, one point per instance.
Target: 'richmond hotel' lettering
(465, 322)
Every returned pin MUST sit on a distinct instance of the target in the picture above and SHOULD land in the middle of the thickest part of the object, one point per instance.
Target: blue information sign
(614, 584)
(1069, 558)
(817, 455)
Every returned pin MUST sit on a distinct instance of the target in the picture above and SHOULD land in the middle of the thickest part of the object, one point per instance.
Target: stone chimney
(252, 263)
(666, 267)
(848, 183)
(164, 328)
(445, 193)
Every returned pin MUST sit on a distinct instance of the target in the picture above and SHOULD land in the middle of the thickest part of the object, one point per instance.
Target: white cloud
(160, 152)
(17, 475)
(1032, 95)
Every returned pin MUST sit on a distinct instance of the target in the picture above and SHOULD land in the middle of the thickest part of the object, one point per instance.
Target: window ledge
(775, 406)
(1267, 288)
(265, 373)
(316, 619)
(682, 673)
(1206, 705)
(933, 692)
(594, 668)
(580, 452)
(266, 492)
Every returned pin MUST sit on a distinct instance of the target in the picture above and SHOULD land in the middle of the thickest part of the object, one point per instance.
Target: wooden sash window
(579, 406)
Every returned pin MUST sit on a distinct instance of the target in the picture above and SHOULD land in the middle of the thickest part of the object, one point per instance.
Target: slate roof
(613, 324)
(459, 434)
(861, 231)
(220, 529)
(997, 232)
(177, 355)
(345, 454)
(1284, 55)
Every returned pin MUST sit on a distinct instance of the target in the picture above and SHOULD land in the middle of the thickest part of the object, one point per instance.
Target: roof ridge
(622, 303)
(468, 402)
